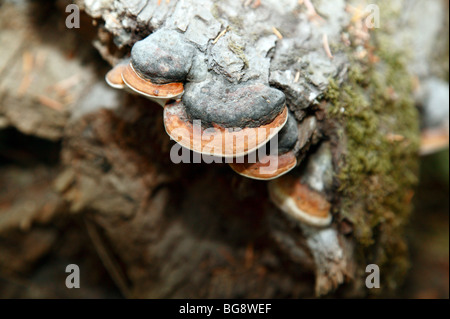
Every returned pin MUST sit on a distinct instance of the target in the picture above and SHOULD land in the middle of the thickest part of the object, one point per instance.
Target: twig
(326, 46)
(311, 11)
(107, 260)
(297, 77)
(51, 103)
(221, 34)
(277, 33)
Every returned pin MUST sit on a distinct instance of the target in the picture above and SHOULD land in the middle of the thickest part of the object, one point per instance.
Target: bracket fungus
(124, 76)
(159, 93)
(278, 161)
(434, 140)
(159, 65)
(233, 119)
(226, 120)
(302, 195)
(300, 201)
(114, 76)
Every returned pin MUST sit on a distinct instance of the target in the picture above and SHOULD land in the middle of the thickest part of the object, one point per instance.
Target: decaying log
(165, 230)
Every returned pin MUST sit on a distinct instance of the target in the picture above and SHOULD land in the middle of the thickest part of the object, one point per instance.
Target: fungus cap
(114, 76)
(160, 93)
(300, 202)
(269, 165)
(263, 169)
(163, 57)
(216, 140)
(230, 105)
(433, 141)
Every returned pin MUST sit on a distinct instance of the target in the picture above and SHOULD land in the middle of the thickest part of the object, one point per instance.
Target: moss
(237, 23)
(378, 169)
(239, 51)
(215, 11)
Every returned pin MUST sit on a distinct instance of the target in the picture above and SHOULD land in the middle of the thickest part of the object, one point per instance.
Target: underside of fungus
(114, 76)
(302, 194)
(159, 93)
(300, 202)
(216, 140)
(433, 141)
(267, 167)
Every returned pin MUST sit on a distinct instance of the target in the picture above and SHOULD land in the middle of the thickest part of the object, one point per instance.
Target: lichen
(239, 51)
(379, 167)
(234, 22)
(215, 11)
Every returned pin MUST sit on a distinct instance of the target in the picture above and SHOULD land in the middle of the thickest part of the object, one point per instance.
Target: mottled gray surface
(163, 57)
(417, 28)
(249, 47)
(319, 169)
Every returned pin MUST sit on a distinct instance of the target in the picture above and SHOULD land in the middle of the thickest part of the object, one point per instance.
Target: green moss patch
(378, 170)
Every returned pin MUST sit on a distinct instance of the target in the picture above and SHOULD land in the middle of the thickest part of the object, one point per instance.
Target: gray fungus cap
(233, 105)
(288, 135)
(163, 57)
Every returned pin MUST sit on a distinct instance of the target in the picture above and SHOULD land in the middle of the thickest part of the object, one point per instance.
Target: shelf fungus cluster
(219, 119)
(158, 67)
(246, 122)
